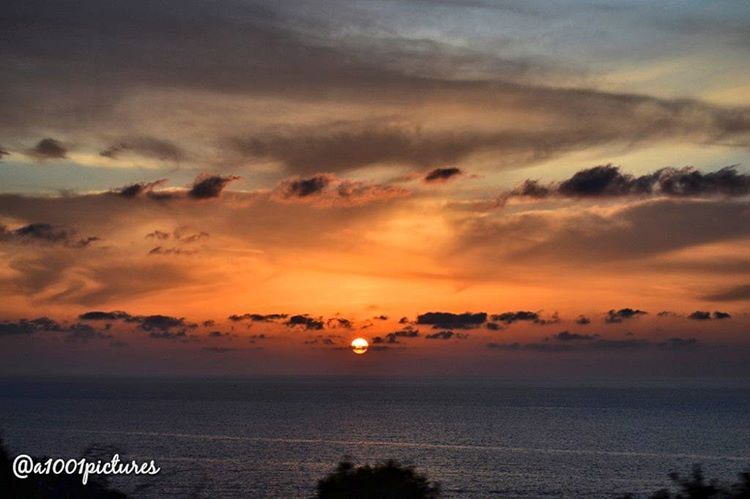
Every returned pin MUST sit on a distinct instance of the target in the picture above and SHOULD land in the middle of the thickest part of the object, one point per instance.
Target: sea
(275, 437)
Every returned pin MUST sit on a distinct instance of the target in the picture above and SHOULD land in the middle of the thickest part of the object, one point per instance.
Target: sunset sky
(475, 187)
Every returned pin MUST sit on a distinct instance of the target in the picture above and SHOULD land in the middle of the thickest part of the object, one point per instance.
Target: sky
(477, 188)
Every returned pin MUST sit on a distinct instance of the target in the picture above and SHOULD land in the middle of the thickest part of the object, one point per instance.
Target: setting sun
(359, 346)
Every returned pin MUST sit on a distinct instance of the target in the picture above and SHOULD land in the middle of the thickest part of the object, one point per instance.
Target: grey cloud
(446, 335)
(304, 322)
(609, 181)
(140, 188)
(49, 149)
(105, 52)
(736, 293)
(448, 320)
(700, 315)
(442, 174)
(46, 233)
(258, 317)
(617, 316)
(210, 186)
(145, 146)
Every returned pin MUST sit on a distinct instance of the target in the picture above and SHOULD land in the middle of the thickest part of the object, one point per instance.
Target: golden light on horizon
(359, 346)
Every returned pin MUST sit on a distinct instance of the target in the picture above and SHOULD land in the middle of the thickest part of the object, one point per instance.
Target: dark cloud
(447, 320)
(493, 326)
(49, 149)
(29, 326)
(327, 189)
(141, 189)
(158, 234)
(394, 337)
(210, 186)
(524, 316)
(161, 250)
(568, 336)
(97, 315)
(160, 324)
(73, 332)
(3, 152)
(583, 320)
(609, 181)
(667, 313)
(303, 187)
(617, 316)
(147, 147)
(336, 322)
(700, 315)
(442, 174)
(258, 317)
(46, 233)
(446, 335)
(304, 322)
(736, 293)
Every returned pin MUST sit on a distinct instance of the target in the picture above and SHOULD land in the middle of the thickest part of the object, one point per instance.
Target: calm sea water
(275, 438)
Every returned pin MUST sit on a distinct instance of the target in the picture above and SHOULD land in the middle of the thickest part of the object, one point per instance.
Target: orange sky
(388, 160)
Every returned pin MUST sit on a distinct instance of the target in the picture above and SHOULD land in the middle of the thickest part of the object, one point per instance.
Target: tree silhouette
(383, 481)
(695, 486)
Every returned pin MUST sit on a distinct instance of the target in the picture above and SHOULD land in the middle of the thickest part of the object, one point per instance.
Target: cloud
(140, 189)
(147, 147)
(160, 250)
(3, 152)
(447, 320)
(394, 337)
(325, 189)
(736, 293)
(46, 233)
(48, 149)
(210, 186)
(304, 322)
(442, 174)
(258, 317)
(609, 181)
(302, 187)
(583, 320)
(446, 335)
(73, 332)
(97, 315)
(568, 336)
(339, 322)
(700, 315)
(617, 316)
(511, 317)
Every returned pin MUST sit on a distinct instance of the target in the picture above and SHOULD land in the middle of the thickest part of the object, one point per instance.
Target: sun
(359, 346)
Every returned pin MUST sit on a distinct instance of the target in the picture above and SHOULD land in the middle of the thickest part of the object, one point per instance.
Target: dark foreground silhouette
(695, 486)
(382, 481)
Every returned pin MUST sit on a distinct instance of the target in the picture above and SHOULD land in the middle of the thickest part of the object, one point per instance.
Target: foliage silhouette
(383, 481)
(695, 486)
